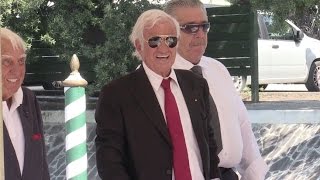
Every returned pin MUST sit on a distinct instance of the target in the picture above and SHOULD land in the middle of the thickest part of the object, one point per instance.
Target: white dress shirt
(12, 121)
(240, 149)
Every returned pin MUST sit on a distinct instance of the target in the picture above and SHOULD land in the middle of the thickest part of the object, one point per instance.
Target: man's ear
(138, 45)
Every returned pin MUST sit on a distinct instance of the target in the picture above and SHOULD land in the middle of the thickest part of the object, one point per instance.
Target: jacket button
(169, 172)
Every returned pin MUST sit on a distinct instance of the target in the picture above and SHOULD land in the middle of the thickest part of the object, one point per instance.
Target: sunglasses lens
(194, 28)
(206, 27)
(154, 41)
(171, 41)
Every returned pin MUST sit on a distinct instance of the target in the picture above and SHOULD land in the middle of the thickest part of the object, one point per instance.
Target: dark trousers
(228, 174)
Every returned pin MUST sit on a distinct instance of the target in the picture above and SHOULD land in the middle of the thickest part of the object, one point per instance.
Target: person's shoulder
(29, 98)
(27, 92)
(187, 74)
(212, 62)
(214, 65)
(120, 83)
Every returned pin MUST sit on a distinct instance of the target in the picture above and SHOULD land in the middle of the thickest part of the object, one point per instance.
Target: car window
(281, 31)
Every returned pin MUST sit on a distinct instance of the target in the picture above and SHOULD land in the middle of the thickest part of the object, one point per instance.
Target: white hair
(15, 39)
(147, 20)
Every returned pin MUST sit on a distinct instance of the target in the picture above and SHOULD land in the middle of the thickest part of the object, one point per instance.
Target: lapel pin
(195, 99)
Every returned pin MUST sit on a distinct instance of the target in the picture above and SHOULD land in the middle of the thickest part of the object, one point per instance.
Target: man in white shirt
(239, 149)
(24, 148)
(153, 124)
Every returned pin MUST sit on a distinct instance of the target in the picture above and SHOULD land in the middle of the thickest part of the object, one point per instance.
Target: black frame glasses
(155, 41)
(194, 28)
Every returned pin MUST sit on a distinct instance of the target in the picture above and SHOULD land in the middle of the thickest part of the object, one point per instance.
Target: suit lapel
(27, 125)
(191, 97)
(11, 160)
(148, 101)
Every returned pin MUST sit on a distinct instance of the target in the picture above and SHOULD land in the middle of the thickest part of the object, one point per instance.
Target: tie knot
(197, 70)
(166, 84)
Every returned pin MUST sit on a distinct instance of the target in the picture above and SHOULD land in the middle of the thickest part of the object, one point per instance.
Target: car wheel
(239, 82)
(313, 82)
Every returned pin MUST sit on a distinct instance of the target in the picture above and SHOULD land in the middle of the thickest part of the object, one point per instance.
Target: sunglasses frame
(163, 38)
(186, 29)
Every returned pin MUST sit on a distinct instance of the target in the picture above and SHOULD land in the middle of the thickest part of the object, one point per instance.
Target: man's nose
(163, 45)
(15, 67)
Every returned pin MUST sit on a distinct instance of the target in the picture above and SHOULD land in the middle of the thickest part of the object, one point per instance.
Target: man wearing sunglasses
(237, 146)
(153, 124)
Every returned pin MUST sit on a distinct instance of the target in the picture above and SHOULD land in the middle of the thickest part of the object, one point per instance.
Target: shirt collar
(155, 79)
(181, 63)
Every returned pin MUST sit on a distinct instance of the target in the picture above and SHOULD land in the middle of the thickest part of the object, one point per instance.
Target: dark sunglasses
(170, 41)
(194, 28)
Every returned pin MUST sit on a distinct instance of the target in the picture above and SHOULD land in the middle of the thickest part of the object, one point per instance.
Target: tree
(96, 30)
(301, 12)
(23, 17)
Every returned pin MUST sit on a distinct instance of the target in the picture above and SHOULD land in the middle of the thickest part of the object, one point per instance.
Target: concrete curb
(256, 116)
(285, 116)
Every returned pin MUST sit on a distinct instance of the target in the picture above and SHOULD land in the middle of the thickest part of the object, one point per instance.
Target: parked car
(285, 55)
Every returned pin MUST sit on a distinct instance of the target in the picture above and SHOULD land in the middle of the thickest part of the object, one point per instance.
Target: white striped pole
(75, 119)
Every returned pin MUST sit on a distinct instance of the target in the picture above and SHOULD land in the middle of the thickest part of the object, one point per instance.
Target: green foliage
(98, 30)
(295, 10)
(22, 16)
(95, 30)
(116, 56)
(299, 11)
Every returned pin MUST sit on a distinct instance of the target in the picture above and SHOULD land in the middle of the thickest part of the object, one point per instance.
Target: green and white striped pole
(75, 119)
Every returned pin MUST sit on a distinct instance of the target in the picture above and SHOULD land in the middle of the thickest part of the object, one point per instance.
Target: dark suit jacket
(132, 137)
(35, 163)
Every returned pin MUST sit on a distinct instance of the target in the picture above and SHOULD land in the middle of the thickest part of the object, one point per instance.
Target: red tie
(180, 155)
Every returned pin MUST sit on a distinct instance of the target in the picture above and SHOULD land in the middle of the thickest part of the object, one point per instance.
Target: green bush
(95, 30)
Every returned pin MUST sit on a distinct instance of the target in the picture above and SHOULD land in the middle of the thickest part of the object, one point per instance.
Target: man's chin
(6, 96)
(194, 59)
(12, 90)
(198, 51)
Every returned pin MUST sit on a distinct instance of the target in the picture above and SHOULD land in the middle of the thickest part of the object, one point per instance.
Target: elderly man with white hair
(153, 124)
(24, 147)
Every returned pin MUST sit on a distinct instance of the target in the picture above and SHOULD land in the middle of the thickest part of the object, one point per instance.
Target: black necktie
(215, 118)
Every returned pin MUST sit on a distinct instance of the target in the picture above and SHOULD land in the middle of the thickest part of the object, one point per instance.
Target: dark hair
(171, 6)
